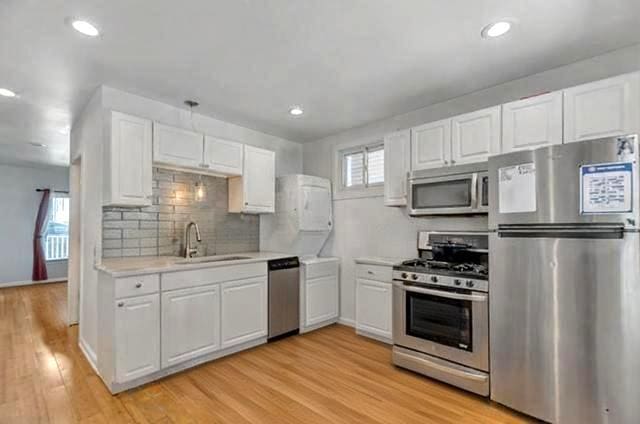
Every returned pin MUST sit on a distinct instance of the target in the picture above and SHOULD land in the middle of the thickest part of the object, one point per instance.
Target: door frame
(75, 243)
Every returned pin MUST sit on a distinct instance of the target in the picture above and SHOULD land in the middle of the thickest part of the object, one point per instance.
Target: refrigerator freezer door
(557, 184)
(565, 334)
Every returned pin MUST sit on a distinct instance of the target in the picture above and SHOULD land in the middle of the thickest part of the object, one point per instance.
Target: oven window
(440, 320)
(444, 194)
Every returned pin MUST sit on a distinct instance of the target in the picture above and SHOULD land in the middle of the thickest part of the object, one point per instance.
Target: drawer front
(321, 269)
(374, 272)
(204, 276)
(137, 286)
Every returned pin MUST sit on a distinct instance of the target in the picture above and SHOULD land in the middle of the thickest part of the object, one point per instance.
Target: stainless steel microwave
(452, 190)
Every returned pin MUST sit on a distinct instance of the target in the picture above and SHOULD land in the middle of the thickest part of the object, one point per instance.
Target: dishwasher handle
(284, 263)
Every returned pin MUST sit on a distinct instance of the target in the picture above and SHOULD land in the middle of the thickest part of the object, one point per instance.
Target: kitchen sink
(205, 259)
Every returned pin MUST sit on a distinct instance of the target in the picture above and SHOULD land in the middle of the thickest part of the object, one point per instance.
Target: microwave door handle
(442, 293)
(474, 190)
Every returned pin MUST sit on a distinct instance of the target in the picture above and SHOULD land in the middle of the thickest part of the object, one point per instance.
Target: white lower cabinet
(190, 323)
(321, 299)
(373, 308)
(137, 337)
(244, 311)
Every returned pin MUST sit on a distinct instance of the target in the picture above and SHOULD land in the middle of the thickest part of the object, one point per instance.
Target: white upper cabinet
(177, 147)
(137, 337)
(190, 323)
(128, 161)
(244, 311)
(532, 123)
(475, 136)
(255, 191)
(223, 156)
(603, 108)
(431, 145)
(396, 165)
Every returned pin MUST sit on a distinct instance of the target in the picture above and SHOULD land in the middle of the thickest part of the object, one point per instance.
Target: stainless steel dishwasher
(284, 297)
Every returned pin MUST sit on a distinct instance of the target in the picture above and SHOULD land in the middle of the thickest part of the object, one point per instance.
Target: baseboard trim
(347, 322)
(89, 355)
(31, 282)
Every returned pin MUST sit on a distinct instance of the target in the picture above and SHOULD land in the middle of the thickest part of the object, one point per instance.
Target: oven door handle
(442, 293)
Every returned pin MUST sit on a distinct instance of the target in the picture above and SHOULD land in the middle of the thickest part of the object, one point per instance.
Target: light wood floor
(328, 376)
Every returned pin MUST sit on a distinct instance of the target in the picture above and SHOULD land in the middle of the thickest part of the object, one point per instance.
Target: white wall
(18, 209)
(86, 141)
(365, 227)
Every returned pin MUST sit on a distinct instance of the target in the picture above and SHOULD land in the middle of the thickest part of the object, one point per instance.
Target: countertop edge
(381, 261)
(167, 268)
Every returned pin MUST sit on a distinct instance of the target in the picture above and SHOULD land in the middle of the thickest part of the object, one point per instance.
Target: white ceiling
(347, 62)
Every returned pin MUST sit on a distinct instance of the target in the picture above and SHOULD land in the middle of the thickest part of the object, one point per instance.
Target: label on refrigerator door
(606, 188)
(517, 188)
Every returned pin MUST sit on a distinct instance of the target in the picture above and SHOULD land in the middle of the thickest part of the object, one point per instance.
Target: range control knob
(414, 276)
(404, 275)
(434, 279)
(470, 283)
(457, 282)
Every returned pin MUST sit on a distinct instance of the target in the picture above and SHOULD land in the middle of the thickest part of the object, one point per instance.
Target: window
(363, 166)
(56, 246)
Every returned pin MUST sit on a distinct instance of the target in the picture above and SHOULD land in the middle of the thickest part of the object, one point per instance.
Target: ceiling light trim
(498, 28)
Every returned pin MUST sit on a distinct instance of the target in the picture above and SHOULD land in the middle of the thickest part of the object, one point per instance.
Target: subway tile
(147, 216)
(111, 244)
(146, 225)
(120, 224)
(139, 233)
(111, 216)
(112, 253)
(129, 243)
(149, 251)
(149, 242)
(130, 252)
(111, 234)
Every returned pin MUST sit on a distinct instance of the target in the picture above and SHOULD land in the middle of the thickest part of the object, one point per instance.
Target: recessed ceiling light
(34, 144)
(496, 29)
(7, 93)
(296, 111)
(85, 27)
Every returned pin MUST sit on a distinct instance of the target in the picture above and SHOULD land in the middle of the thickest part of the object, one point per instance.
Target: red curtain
(39, 264)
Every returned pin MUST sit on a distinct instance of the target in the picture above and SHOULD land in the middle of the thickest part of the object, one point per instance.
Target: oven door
(447, 195)
(446, 324)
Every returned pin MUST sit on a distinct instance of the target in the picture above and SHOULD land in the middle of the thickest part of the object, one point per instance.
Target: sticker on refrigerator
(517, 188)
(606, 188)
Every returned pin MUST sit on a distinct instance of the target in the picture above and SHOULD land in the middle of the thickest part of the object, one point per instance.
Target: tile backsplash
(158, 230)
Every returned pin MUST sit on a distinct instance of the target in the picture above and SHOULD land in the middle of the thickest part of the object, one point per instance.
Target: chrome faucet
(189, 251)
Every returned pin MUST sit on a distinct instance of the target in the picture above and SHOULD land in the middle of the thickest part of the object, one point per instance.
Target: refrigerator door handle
(567, 231)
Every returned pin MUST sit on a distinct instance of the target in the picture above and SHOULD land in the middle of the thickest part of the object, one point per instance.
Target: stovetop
(428, 266)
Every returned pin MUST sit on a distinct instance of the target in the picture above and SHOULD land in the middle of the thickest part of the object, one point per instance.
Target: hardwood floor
(328, 376)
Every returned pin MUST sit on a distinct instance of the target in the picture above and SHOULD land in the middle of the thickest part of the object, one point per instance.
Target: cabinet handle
(204, 165)
(453, 161)
(370, 272)
(246, 203)
(120, 304)
(138, 285)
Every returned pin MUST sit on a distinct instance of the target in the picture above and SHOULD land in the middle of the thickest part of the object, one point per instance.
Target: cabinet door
(223, 156)
(532, 123)
(190, 324)
(137, 337)
(396, 166)
(321, 303)
(604, 108)
(431, 145)
(244, 311)
(259, 180)
(129, 168)
(475, 136)
(373, 307)
(177, 147)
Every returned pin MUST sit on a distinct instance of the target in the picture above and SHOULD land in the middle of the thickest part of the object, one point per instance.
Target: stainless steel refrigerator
(565, 281)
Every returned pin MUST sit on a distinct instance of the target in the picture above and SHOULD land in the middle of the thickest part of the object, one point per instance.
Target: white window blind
(363, 166)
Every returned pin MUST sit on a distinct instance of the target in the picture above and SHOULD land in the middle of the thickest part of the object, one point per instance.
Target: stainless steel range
(441, 310)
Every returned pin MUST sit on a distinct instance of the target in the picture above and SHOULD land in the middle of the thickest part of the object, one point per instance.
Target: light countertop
(378, 260)
(127, 267)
